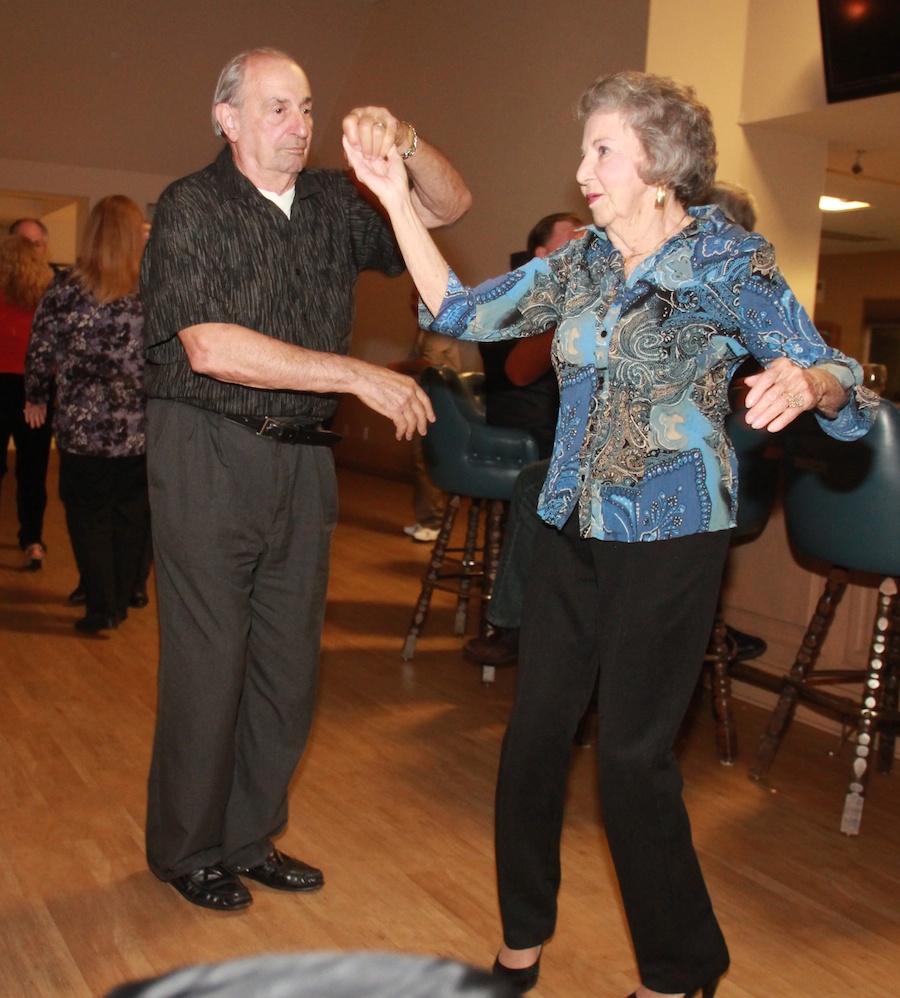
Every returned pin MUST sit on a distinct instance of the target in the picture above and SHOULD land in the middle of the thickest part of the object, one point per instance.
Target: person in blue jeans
(520, 391)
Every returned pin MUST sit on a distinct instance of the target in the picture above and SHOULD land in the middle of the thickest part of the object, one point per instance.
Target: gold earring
(660, 196)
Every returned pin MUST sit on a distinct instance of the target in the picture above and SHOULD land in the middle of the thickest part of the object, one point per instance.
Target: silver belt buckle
(267, 422)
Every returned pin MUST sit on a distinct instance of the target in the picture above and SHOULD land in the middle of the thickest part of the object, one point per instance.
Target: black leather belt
(286, 432)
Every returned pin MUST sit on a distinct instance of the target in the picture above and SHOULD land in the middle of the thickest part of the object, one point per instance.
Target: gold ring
(794, 401)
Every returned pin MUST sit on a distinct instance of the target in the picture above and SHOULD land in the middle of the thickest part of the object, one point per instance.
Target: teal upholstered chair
(469, 460)
(842, 508)
(758, 475)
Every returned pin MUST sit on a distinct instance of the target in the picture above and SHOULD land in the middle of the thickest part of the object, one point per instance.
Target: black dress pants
(108, 516)
(639, 616)
(32, 456)
(242, 528)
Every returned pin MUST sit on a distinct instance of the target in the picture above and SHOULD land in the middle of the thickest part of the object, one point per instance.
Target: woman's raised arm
(389, 182)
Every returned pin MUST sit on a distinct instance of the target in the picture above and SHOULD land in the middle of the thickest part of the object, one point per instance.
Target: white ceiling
(866, 132)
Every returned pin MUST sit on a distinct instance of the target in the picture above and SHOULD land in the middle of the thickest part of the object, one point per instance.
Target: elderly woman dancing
(654, 309)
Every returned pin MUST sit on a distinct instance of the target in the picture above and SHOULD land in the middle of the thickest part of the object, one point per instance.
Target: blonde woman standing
(88, 334)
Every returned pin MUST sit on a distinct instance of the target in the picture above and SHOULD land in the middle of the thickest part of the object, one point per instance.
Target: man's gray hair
(229, 89)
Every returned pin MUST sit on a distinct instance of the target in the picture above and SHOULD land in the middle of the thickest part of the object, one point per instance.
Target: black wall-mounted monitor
(860, 47)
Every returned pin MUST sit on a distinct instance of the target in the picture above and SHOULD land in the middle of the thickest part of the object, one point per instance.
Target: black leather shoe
(213, 887)
(499, 648)
(139, 599)
(746, 646)
(284, 873)
(92, 623)
(521, 978)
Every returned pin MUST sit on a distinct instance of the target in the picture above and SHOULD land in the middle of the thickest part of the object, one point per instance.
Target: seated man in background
(521, 391)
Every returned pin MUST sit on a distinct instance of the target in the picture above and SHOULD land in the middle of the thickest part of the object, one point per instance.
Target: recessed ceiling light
(839, 204)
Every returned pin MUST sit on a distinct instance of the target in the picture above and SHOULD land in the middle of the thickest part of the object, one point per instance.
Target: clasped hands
(374, 131)
(370, 142)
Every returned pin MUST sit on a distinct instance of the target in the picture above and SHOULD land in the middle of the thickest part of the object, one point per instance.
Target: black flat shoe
(521, 978)
(213, 887)
(284, 873)
(92, 623)
(78, 596)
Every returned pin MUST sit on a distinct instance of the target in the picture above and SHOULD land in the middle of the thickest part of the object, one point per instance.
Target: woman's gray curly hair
(674, 128)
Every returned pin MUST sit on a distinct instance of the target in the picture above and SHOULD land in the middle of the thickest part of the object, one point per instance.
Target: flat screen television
(860, 47)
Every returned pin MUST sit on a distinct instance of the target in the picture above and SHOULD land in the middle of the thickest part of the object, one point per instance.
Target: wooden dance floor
(394, 802)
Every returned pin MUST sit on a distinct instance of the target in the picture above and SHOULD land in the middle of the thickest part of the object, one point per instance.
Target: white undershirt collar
(284, 201)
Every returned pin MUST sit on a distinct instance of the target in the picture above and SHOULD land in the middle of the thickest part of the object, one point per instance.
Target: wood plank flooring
(394, 801)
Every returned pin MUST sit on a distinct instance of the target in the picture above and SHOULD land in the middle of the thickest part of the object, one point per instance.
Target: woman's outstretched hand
(779, 394)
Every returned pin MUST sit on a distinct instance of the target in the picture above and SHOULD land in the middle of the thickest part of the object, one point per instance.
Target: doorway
(63, 214)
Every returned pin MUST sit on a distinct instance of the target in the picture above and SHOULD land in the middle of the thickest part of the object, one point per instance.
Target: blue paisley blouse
(643, 364)
(95, 354)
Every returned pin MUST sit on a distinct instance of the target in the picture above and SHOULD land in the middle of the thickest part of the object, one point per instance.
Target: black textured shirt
(222, 252)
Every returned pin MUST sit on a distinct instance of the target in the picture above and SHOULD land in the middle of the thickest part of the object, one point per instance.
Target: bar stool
(842, 507)
(758, 474)
(467, 459)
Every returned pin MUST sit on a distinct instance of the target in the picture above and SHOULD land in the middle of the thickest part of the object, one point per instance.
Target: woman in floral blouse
(654, 310)
(88, 335)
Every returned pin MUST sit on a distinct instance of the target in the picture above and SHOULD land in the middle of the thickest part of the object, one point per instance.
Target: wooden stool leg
(470, 567)
(887, 735)
(493, 536)
(438, 552)
(803, 664)
(726, 732)
(872, 702)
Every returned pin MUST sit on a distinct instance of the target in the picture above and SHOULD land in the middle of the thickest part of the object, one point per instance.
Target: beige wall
(758, 63)
(493, 84)
(127, 85)
(85, 186)
(495, 87)
(847, 282)
(63, 226)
